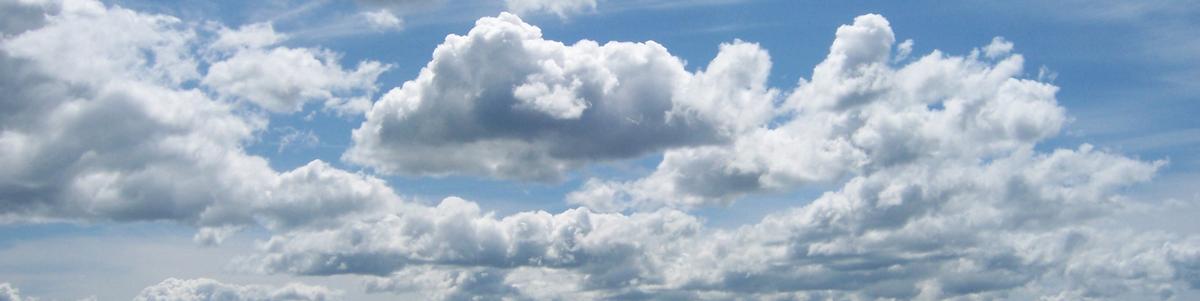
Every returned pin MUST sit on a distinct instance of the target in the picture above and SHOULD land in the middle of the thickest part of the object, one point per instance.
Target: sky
(599, 150)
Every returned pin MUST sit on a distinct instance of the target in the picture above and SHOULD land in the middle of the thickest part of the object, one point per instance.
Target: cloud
(560, 8)
(98, 125)
(449, 284)
(503, 102)
(10, 293)
(944, 194)
(173, 289)
(857, 115)
(946, 190)
(257, 35)
(19, 16)
(282, 79)
(401, 5)
(610, 248)
(383, 20)
(292, 137)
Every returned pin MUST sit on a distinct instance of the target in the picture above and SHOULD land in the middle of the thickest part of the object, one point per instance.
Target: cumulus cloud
(944, 195)
(10, 293)
(857, 115)
(610, 248)
(282, 79)
(503, 102)
(945, 192)
(97, 125)
(202, 289)
(449, 284)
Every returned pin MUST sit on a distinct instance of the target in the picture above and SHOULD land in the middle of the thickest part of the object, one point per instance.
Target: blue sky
(1125, 74)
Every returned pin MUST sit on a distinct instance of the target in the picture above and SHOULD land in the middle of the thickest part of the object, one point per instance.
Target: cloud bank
(173, 289)
(945, 189)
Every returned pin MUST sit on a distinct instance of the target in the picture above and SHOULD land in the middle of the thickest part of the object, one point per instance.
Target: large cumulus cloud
(98, 124)
(503, 102)
(857, 115)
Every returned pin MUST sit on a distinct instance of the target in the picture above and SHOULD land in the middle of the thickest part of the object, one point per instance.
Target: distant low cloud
(383, 20)
(202, 289)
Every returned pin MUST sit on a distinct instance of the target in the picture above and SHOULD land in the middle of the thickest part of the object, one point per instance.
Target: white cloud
(292, 137)
(903, 50)
(203, 289)
(611, 248)
(98, 127)
(282, 79)
(257, 35)
(503, 102)
(857, 115)
(10, 293)
(449, 284)
(998, 48)
(383, 20)
(945, 192)
(561, 8)
(944, 196)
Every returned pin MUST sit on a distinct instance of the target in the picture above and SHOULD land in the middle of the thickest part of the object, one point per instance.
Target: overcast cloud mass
(286, 141)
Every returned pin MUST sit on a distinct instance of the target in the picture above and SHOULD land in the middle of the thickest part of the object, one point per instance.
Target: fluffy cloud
(610, 248)
(10, 293)
(858, 115)
(97, 125)
(207, 289)
(282, 79)
(503, 102)
(944, 191)
(449, 284)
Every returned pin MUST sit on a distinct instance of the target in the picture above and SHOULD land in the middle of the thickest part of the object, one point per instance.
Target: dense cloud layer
(944, 191)
(503, 102)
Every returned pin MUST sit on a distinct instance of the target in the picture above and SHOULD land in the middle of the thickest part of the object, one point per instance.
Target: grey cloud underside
(945, 192)
(503, 102)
